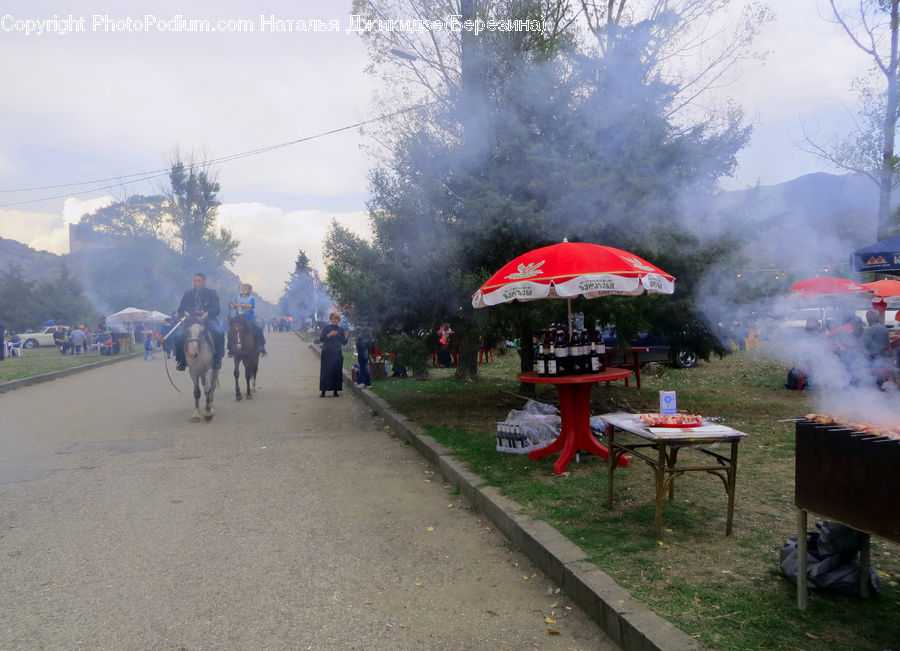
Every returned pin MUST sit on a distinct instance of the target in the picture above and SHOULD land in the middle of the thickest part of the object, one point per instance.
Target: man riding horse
(244, 305)
(202, 302)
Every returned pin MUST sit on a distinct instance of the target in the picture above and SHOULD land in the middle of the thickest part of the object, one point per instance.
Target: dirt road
(288, 522)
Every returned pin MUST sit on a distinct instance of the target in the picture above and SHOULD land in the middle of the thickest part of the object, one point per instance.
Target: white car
(43, 338)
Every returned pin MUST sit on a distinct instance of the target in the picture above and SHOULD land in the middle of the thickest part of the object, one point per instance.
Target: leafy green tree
(20, 306)
(62, 299)
(135, 216)
(560, 145)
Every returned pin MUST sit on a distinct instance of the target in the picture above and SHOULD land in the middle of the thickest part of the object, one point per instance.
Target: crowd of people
(867, 352)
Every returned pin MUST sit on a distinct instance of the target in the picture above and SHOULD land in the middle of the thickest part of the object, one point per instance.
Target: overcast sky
(104, 104)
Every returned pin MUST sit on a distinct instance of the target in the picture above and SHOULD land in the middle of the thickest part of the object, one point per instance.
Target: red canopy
(571, 269)
(884, 288)
(825, 285)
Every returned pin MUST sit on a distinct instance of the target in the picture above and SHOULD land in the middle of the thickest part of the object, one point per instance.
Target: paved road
(289, 522)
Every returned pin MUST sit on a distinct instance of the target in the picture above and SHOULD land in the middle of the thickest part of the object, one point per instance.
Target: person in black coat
(332, 338)
(202, 302)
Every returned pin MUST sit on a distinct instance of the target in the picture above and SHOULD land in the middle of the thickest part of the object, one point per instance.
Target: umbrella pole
(569, 301)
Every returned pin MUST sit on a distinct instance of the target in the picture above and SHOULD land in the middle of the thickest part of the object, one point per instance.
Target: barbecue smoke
(801, 229)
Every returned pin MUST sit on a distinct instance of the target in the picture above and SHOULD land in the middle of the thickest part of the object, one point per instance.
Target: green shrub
(411, 353)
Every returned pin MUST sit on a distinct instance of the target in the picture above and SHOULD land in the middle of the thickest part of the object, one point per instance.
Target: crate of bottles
(510, 438)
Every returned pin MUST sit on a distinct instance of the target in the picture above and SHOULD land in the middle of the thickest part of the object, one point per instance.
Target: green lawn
(727, 591)
(38, 361)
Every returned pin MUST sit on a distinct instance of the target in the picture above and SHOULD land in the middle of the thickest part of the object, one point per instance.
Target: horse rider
(202, 302)
(244, 305)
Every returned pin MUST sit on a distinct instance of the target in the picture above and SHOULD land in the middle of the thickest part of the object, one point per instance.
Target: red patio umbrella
(572, 269)
(884, 288)
(826, 285)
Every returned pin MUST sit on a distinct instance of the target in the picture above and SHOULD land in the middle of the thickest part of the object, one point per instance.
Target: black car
(659, 349)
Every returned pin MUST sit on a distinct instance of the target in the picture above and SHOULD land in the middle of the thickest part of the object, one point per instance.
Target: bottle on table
(543, 353)
(562, 352)
(552, 361)
(598, 353)
(575, 353)
(586, 351)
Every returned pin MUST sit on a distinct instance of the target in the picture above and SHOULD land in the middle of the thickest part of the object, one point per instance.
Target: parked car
(43, 338)
(659, 349)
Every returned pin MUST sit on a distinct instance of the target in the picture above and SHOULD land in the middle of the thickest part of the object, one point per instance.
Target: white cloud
(271, 238)
(74, 208)
(5, 164)
(44, 231)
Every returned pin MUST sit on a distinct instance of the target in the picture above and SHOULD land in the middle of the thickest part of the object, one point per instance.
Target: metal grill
(849, 476)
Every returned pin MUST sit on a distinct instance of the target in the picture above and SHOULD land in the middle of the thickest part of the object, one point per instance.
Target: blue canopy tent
(883, 256)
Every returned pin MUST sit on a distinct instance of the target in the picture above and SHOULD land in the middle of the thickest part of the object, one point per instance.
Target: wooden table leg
(673, 459)
(732, 482)
(611, 440)
(801, 560)
(635, 356)
(660, 483)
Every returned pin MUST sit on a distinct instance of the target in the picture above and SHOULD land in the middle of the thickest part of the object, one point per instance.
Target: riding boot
(217, 363)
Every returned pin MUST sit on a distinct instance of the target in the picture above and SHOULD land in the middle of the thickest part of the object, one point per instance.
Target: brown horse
(245, 348)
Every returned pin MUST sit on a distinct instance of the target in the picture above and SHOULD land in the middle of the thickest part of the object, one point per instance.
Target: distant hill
(37, 265)
(34, 264)
(813, 219)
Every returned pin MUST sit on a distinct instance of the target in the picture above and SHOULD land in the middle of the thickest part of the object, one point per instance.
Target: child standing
(148, 345)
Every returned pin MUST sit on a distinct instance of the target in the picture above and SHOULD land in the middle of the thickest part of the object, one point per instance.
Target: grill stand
(864, 561)
(848, 477)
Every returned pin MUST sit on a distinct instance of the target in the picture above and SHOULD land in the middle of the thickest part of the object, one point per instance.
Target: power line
(146, 176)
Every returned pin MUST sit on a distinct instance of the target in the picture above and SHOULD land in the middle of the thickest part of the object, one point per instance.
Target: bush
(411, 353)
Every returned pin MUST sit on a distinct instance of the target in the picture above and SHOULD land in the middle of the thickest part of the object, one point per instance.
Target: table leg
(673, 459)
(801, 560)
(637, 368)
(575, 435)
(569, 412)
(732, 482)
(660, 483)
(554, 446)
(611, 437)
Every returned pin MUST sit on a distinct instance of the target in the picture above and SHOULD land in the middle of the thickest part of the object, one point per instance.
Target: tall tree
(873, 27)
(691, 45)
(301, 298)
(563, 145)
(193, 206)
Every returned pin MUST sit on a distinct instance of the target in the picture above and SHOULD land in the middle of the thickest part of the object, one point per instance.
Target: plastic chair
(16, 349)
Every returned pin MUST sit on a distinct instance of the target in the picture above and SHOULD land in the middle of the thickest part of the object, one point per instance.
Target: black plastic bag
(832, 561)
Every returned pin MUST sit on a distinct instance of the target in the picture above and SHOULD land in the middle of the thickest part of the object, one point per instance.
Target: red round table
(575, 411)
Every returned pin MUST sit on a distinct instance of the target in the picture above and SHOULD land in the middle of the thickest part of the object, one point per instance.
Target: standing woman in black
(332, 338)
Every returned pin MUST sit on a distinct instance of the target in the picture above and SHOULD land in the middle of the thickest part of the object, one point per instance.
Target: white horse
(198, 351)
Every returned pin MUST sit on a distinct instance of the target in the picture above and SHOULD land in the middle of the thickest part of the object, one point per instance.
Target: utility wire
(146, 176)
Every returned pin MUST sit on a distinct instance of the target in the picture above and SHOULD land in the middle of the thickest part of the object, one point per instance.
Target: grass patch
(38, 361)
(727, 591)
